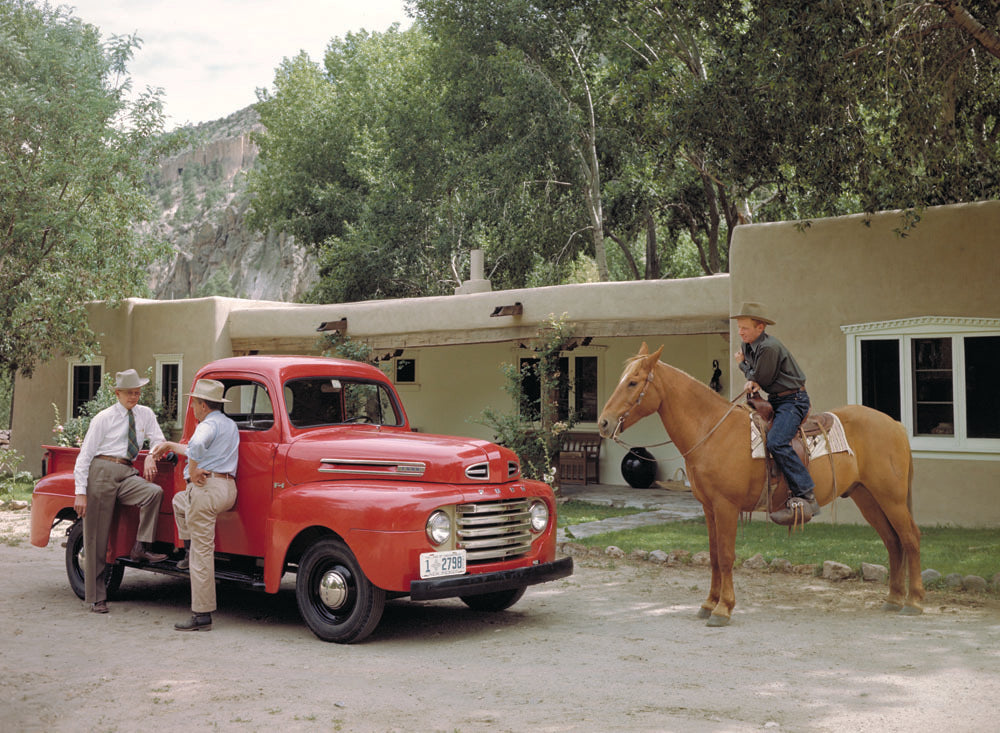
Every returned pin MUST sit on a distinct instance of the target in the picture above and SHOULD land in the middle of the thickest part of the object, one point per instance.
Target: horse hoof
(911, 611)
(892, 607)
(715, 620)
(704, 613)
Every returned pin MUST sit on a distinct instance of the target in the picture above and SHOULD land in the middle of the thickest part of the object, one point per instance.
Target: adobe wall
(819, 276)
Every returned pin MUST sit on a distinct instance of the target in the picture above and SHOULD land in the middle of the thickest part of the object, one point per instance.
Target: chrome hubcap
(333, 590)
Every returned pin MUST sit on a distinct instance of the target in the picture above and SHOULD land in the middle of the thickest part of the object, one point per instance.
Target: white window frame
(71, 364)
(904, 331)
(159, 360)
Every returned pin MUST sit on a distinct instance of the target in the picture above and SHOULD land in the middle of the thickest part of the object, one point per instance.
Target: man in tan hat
(104, 474)
(768, 365)
(212, 454)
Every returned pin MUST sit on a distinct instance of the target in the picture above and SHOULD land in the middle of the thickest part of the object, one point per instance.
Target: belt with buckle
(123, 461)
(790, 391)
(221, 475)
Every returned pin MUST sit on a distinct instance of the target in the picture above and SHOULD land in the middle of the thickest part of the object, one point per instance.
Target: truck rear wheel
(335, 598)
(74, 564)
(499, 601)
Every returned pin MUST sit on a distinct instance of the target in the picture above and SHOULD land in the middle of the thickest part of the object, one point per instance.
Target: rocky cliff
(201, 195)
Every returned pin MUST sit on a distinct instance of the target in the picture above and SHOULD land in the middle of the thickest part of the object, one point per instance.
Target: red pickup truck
(334, 486)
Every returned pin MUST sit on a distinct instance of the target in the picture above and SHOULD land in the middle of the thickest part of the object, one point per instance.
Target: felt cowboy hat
(208, 390)
(129, 379)
(757, 311)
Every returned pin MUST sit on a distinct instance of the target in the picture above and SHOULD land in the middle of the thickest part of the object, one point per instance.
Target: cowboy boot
(797, 511)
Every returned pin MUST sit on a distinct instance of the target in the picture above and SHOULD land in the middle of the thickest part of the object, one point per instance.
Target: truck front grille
(493, 530)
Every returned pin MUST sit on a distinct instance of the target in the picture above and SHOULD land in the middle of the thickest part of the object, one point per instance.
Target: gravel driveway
(615, 647)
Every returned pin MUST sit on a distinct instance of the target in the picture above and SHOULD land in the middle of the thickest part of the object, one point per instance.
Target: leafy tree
(73, 154)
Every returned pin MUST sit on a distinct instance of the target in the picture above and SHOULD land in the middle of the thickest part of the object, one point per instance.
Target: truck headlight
(539, 512)
(438, 527)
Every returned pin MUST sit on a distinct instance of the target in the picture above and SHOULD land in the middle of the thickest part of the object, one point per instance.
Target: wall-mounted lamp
(507, 310)
(339, 326)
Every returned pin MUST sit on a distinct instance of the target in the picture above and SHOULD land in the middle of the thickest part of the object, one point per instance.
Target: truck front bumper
(473, 585)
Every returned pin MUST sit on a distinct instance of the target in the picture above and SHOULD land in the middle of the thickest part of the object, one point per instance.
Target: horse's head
(634, 397)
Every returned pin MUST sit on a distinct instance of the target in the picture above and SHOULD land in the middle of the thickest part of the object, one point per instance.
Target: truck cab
(334, 486)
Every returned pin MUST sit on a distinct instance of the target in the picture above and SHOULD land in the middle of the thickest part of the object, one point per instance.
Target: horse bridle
(621, 420)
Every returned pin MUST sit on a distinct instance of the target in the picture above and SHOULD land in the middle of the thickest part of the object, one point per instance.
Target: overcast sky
(209, 56)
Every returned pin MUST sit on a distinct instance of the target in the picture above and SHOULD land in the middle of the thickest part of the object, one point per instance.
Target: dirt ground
(615, 647)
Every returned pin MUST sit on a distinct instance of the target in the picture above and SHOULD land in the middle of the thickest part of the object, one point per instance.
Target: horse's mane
(630, 361)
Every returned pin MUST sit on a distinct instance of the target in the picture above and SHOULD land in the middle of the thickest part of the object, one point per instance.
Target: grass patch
(946, 549)
(578, 512)
(16, 488)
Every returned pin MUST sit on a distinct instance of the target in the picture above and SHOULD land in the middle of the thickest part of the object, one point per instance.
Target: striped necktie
(133, 444)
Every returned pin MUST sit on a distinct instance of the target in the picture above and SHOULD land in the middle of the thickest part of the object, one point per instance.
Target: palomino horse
(714, 440)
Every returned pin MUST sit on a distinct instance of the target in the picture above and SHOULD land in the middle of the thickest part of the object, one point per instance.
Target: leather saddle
(762, 415)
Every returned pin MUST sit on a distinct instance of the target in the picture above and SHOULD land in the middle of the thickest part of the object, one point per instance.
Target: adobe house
(443, 353)
(906, 324)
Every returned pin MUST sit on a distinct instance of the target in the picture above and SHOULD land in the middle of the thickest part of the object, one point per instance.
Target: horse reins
(621, 420)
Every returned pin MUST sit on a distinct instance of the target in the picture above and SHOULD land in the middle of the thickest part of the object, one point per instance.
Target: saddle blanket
(818, 445)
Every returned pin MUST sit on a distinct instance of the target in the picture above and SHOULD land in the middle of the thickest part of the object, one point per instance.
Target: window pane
(982, 391)
(563, 382)
(531, 390)
(585, 383)
(249, 405)
(933, 408)
(86, 382)
(880, 376)
(168, 390)
(406, 371)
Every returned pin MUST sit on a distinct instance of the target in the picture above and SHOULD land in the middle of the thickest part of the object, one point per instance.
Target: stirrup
(796, 513)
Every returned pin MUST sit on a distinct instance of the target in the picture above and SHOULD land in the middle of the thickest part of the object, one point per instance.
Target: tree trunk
(653, 270)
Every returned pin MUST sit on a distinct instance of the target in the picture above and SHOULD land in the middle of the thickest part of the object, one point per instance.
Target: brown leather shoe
(197, 622)
(99, 607)
(141, 554)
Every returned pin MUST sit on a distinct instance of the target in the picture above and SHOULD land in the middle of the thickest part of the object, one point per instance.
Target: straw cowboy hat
(208, 390)
(129, 379)
(757, 311)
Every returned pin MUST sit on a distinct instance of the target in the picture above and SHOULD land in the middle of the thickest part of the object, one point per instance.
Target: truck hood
(370, 453)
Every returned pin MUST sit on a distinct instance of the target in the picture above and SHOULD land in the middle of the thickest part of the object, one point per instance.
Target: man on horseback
(768, 365)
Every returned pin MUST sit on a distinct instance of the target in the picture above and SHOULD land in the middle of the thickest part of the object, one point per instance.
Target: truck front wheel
(74, 564)
(335, 598)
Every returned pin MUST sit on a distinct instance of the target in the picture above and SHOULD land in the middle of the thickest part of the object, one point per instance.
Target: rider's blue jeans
(789, 412)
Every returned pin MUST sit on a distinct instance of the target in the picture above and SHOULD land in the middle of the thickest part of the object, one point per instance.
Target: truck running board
(169, 567)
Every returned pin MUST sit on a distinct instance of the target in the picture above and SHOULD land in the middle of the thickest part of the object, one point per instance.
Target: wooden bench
(579, 458)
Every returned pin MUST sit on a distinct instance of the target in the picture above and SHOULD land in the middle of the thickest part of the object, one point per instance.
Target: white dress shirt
(108, 436)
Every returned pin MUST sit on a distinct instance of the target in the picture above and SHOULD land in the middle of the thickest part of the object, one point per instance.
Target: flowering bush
(532, 430)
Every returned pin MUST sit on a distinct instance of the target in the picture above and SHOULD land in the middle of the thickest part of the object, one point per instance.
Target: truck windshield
(316, 401)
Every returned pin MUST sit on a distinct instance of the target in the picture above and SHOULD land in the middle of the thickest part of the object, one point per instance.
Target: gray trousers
(107, 483)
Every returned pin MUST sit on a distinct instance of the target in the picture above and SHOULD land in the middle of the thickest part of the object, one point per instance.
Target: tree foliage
(73, 152)
(620, 139)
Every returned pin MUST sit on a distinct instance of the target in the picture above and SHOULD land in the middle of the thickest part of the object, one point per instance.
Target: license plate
(437, 564)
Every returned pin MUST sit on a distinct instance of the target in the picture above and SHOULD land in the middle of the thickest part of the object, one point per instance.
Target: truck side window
(249, 405)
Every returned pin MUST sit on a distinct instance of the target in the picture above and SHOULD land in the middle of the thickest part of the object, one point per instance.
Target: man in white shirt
(104, 474)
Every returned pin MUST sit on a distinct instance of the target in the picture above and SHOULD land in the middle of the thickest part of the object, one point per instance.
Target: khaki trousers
(107, 483)
(195, 510)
